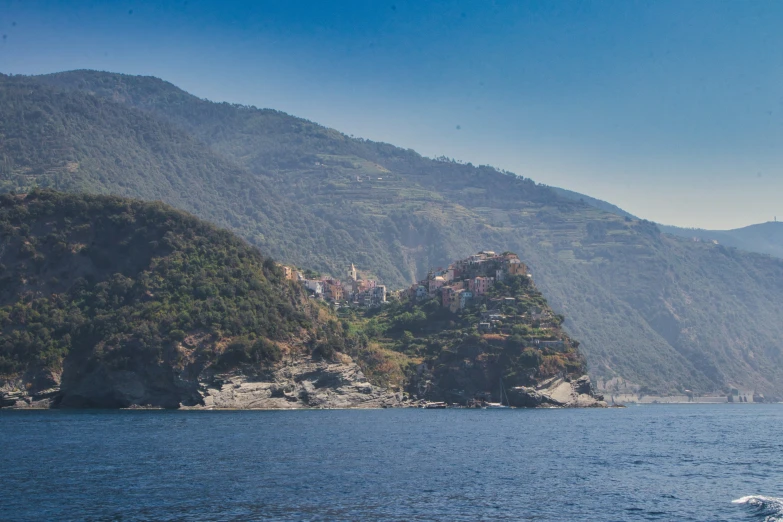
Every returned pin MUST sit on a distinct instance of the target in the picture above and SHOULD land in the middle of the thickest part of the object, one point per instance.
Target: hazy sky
(671, 110)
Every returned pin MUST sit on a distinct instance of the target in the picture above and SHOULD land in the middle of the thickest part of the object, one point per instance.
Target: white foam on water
(769, 507)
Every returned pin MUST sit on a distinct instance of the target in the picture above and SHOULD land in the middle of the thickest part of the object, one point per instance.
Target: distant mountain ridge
(764, 238)
(653, 312)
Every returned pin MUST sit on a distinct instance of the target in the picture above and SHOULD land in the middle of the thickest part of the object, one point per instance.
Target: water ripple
(656, 463)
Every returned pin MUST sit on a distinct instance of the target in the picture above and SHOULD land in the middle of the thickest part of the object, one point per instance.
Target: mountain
(380, 190)
(78, 142)
(109, 302)
(764, 238)
(654, 313)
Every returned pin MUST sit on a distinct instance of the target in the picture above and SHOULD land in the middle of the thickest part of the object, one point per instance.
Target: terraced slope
(763, 238)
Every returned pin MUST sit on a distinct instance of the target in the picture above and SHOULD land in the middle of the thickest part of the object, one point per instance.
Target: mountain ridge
(649, 308)
(762, 238)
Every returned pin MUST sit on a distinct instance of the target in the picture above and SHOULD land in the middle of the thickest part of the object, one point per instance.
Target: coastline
(634, 398)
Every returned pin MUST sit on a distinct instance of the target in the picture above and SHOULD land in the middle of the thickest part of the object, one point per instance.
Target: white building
(315, 286)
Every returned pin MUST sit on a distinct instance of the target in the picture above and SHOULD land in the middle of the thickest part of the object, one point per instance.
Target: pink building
(435, 284)
(480, 285)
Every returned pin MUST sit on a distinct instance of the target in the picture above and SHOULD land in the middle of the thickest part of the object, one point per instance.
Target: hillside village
(467, 279)
(466, 284)
(463, 332)
(469, 283)
(352, 291)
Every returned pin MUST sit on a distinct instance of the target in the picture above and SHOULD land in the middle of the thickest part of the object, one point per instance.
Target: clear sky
(672, 110)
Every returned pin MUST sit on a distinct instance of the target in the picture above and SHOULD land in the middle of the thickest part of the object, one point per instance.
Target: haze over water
(640, 463)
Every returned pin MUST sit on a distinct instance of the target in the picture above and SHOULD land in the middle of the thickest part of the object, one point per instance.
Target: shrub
(264, 350)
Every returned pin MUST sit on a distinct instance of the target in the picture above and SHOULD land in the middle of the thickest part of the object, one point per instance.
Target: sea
(653, 462)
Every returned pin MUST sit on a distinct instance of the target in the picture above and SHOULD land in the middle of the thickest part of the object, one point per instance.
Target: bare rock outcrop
(36, 390)
(302, 382)
(306, 383)
(558, 392)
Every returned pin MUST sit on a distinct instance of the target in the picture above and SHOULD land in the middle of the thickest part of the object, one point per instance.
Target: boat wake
(770, 508)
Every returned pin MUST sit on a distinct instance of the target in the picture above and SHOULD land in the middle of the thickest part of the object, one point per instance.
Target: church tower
(352, 274)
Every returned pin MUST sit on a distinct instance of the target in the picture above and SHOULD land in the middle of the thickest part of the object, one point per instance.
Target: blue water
(640, 463)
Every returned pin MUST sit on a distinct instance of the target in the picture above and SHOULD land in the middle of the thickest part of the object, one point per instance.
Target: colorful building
(333, 290)
(435, 285)
(480, 285)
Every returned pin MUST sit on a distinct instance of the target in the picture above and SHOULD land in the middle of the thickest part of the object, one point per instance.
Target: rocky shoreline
(301, 383)
(558, 392)
(305, 383)
(310, 384)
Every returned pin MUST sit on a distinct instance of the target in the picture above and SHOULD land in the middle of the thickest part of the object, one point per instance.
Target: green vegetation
(446, 357)
(652, 311)
(77, 142)
(125, 283)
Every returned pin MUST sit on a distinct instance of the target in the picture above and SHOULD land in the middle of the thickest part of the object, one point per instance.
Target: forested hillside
(651, 310)
(79, 142)
(97, 284)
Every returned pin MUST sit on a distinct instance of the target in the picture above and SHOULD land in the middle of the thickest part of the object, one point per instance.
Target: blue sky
(672, 110)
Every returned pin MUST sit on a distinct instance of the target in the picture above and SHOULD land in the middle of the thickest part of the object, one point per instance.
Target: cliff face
(557, 392)
(300, 382)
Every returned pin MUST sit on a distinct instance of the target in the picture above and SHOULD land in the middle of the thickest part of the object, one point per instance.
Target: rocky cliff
(304, 383)
(474, 330)
(300, 382)
(557, 392)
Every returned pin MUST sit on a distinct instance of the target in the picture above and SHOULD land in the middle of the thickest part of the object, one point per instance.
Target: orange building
(333, 290)
(517, 267)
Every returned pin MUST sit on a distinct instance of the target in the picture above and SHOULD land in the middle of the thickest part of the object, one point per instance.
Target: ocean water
(659, 462)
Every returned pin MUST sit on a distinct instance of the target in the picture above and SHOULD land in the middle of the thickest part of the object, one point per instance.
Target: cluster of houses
(466, 280)
(466, 283)
(352, 291)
